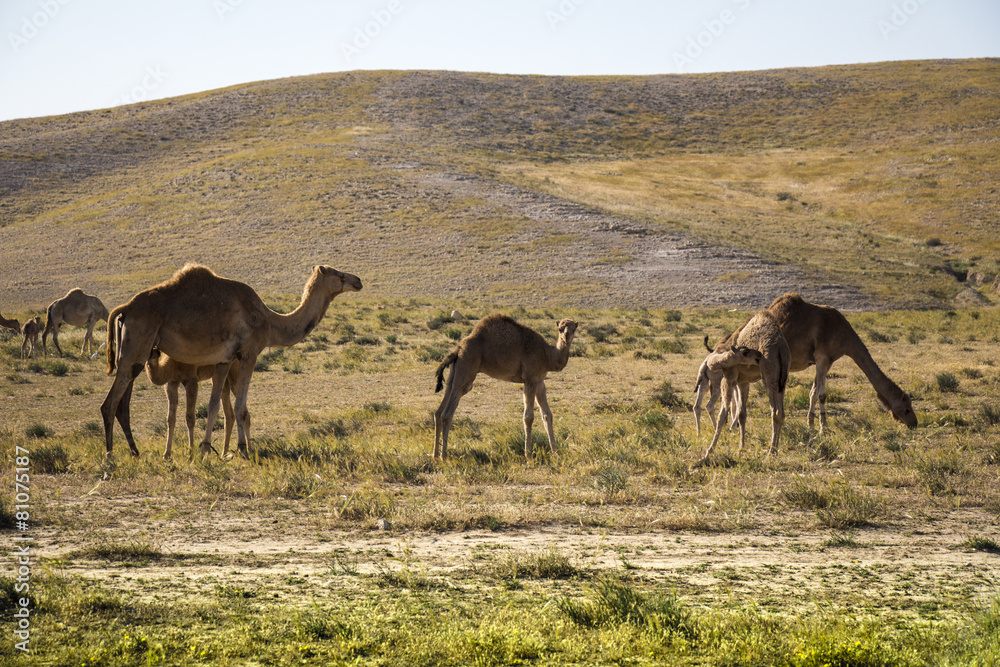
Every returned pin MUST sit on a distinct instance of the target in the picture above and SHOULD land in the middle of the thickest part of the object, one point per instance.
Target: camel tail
(114, 335)
(783, 376)
(707, 346)
(440, 371)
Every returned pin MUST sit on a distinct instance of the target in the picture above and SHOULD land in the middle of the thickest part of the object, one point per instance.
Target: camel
(30, 332)
(76, 308)
(201, 319)
(509, 351)
(13, 325)
(170, 374)
(762, 333)
(820, 335)
(709, 381)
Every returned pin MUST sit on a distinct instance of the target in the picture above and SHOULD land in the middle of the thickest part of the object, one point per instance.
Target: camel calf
(170, 374)
(30, 332)
(509, 351)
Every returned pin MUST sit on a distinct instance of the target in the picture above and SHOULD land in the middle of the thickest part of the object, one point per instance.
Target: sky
(60, 56)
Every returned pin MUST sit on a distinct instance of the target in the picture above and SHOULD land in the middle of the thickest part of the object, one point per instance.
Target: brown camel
(505, 350)
(820, 335)
(78, 309)
(710, 382)
(762, 333)
(170, 374)
(30, 332)
(201, 319)
(13, 325)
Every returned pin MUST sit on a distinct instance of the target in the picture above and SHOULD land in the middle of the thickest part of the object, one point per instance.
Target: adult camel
(820, 335)
(79, 309)
(202, 319)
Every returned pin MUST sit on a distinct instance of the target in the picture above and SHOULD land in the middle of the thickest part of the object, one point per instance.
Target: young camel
(78, 309)
(13, 325)
(170, 374)
(505, 350)
(30, 332)
(201, 319)
(710, 382)
(820, 335)
(762, 333)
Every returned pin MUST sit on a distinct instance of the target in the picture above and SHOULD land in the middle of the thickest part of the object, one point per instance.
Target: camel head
(335, 282)
(901, 408)
(734, 356)
(567, 329)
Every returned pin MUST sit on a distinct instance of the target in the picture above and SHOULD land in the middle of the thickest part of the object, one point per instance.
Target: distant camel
(710, 382)
(200, 319)
(509, 351)
(820, 335)
(166, 372)
(30, 332)
(761, 332)
(13, 325)
(78, 309)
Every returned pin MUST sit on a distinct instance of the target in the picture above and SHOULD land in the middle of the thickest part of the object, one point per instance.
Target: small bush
(665, 395)
(38, 431)
(947, 382)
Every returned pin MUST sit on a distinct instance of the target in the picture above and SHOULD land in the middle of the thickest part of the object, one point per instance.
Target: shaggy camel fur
(170, 374)
(201, 319)
(710, 382)
(505, 350)
(820, 335)
(13, 325)
(78, 309)
(30, 332)
(761, 332)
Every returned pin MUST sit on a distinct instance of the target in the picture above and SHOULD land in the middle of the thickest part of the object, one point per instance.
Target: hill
(869, 186)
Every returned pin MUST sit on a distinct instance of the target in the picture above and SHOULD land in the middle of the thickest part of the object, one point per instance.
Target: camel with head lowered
(509, 351)
(820, 335)
(78, 309)
(29, 331)
(13, 325)
(710, 382)
(739, 368)
(201, 319)
(171, 374)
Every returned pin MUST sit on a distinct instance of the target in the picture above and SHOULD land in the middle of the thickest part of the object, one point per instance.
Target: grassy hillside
(878, 180)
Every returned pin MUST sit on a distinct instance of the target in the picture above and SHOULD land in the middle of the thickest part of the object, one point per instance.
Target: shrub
(947, 382)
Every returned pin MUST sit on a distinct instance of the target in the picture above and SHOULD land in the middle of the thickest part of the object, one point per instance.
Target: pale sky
(59, 56)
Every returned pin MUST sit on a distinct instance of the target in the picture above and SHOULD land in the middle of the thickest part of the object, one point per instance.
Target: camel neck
(863, 358)
(290, 329)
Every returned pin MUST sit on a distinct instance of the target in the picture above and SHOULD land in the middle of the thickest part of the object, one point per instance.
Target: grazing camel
(80, 310)
(30, 332)
(505, 350)
(170, 374)
(820, 335)
(709, 381)
(762, 333)
(13, 325)
(201, 319)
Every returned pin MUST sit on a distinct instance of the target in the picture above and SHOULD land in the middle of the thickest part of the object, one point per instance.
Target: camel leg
(543, 405)
(776, 398)
(818, 394)
(190, 409)
(218, 381)
(88, 339)
(170, 389)
(529, 415)
(55, 339)
(741, 416)
(460, 383)
(699, 396)
(241, 388)
(24, 348)
(227, 408)
(721, 420)
(123, 414)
